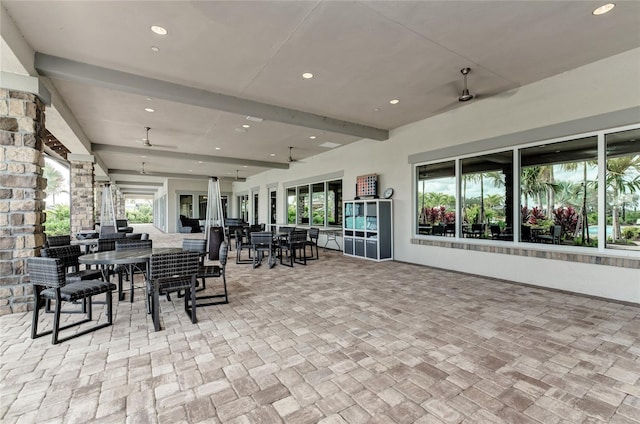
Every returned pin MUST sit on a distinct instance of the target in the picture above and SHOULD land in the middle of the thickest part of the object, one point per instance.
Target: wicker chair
(261, 243)
(69, 256)
(55, 241)
(210, 271)
(171, 272)
(242, 243)
(312, 242)
(47, 275)
(129, 270)
(293, 248)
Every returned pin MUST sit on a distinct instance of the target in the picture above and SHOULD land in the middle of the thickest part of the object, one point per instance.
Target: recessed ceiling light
(376, 109)
(149, 98)
(240, 130)
(200, 161)
(155, 49)
(254, 119)
(307, 75)
(272, 154)
(159, 30)
(603, 9)
(148, 109)
(312, 137)
(394, 101)
(191, 170)
(218, 148)
(245, 125)
(329, 145)
(246, 166)
(143, 156)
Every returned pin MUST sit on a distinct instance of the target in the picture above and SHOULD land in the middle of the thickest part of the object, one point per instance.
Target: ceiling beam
(146, 194)
(170, 175)
(187, 156)
(139, 183)
(70, 70)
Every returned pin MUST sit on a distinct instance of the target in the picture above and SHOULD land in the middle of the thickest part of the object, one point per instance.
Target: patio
(328, 343)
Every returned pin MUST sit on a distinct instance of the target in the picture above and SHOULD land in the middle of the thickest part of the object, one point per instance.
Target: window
(291, 205)
(622, 190)
(334, 203)
(570, 193)
(558, 188)
(486, 202)
(316, 204)
(243, 207)
(255, 208)
(436, 197)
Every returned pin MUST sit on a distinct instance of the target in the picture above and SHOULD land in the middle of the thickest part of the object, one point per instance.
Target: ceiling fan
(147, 143)
(465, 96)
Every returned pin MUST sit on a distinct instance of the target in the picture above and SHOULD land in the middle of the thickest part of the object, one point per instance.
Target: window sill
(527, 249)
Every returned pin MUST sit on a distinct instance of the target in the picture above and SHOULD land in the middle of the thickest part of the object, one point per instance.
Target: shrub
(58, 221)
(567, 218)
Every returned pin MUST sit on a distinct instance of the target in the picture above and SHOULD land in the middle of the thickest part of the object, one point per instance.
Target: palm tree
(54, 181)
(623, 176)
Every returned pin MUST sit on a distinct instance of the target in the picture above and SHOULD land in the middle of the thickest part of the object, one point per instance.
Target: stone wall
(82, 213)
(22, 127)
(119, 204)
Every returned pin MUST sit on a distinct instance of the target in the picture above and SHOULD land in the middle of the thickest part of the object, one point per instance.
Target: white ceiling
(362, 54)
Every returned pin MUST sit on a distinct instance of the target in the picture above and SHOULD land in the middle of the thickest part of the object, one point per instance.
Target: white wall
(602, 87)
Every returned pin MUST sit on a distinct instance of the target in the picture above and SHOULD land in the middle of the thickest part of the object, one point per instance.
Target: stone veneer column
(119, 206)
(22, 194)
(82, 213)
(97, 204)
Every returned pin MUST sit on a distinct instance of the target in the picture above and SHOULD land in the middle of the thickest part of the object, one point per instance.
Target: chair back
(67, 254)
(48, 272)
(54, 241)
(297, 236)
(495, 230)
(194, 245)
(525, 233)
(111, 236)
(134, 236)
(437, 230)
(105, 245)
(224, 254)
(144, 236)
(556, 232)
(261, 238)
(477, 228)
(314, 233)
(173, 266)
(286, 230)
(128, 244)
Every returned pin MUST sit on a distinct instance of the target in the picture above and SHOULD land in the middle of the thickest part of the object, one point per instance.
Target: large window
(558, 189)
(486, 202)
(623, 190)
(436, 199)
(563, 190)
(316, 204)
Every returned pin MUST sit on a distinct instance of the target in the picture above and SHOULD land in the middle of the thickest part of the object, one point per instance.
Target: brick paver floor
(338, 341)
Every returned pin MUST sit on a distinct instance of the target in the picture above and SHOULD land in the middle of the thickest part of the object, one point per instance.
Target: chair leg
(56, 319)
(155, 313)
(193, 300)
(109, 301)
(36, 311)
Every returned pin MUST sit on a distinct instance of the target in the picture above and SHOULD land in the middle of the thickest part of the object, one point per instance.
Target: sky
(61, 198)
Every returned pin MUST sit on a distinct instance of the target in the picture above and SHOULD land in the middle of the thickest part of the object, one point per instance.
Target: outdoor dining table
(122, 257)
